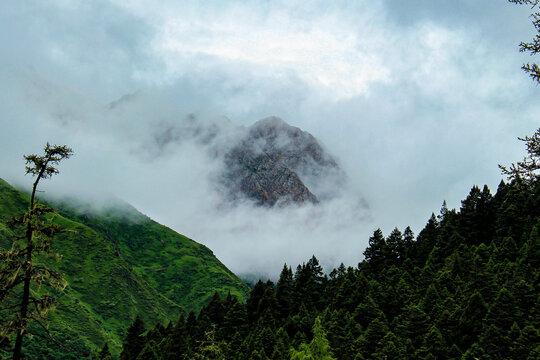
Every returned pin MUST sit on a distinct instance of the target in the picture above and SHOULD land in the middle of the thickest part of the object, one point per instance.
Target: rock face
(273, 163)
(270, 162)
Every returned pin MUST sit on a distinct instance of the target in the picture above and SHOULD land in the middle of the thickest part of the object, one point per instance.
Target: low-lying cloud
(418, 103)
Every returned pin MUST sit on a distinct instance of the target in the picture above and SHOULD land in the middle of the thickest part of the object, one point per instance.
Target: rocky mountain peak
(274, 161)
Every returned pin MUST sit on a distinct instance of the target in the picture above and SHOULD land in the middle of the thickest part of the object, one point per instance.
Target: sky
(418, 101)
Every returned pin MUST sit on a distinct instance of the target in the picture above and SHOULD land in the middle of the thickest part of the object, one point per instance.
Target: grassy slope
(184, 271)
(106, 264)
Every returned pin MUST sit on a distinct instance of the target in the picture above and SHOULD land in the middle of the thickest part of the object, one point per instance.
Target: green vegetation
(180, 269)
(467, 287)
(20, 269)
(108, 258)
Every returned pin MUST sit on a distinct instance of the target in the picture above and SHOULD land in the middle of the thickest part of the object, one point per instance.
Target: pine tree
(426, 240)
(367, 311)
(282, 346)
(135, 341)
(434, 343)
(210, 348)
(284, 292)
(389, 347)
(527, 169)
(408, 241)
(149, 351)
(476, 352)
(472, 320)
(528, 339)
(412, 324)
(394, 247)
(18, 267)
(376, 250)
(503, 311)
(308, 284)
(176, 344)
(253, 302)
(431, 300)
(105, 353)
(318, 348)
(530, 251)
(376, 330)
(235, 320)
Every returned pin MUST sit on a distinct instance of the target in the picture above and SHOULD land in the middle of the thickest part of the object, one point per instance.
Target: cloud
(418, 102)
(321, 50)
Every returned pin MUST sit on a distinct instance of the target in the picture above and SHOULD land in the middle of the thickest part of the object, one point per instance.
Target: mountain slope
(108, 264)
(164, 258)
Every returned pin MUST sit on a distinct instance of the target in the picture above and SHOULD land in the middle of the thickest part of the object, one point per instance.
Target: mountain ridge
(106, 263)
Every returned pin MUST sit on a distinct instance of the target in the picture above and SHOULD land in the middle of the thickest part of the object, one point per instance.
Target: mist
(417, 104)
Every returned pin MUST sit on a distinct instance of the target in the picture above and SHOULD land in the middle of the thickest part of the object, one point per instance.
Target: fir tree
(394, 247)
(375, 252)
(284, 292)
(149, 352)
(317, 349)
(389, 347)
(524, 345)
(135, 341)
(472, 320)
(176, 345)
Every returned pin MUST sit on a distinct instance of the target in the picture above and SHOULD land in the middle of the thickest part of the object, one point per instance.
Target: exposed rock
(269, 163)
(267, 182)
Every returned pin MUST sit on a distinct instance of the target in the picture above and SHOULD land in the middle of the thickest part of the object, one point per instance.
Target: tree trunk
(17, 351)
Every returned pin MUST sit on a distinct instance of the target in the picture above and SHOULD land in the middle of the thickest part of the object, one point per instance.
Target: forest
(118, 285)
(465, 288)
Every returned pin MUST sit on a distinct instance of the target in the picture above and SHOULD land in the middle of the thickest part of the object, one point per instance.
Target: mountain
(118, 263)
(276, 163)
(269, 162)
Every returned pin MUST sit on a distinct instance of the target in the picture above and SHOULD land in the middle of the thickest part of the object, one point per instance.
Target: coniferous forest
(465, 288)
(104, 281)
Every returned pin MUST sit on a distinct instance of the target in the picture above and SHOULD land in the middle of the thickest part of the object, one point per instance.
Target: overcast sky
(418, 100)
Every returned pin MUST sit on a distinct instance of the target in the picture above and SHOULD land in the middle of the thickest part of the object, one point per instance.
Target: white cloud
(419, 102)
(327, 50)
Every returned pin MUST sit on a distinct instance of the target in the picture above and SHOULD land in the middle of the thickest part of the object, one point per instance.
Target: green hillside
(118, 263)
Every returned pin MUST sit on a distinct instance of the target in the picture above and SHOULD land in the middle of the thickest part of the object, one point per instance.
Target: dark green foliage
(285, 292)
(134, 342)
(453, 293)
(525, 344)
(308, 282)
(176, 344)
(389, 347)
(22, 275)
(376, 250)
(105, 353)
(108, 283)
(471, 321)
(318, 348)
(467, 288)
(149, 352)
